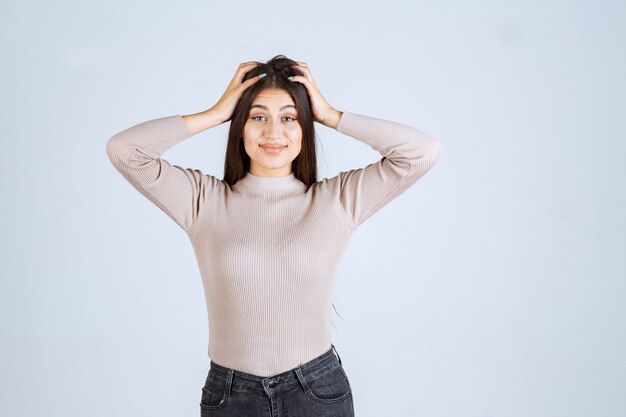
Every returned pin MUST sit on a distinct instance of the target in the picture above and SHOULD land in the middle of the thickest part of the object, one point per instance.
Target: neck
(270, 182)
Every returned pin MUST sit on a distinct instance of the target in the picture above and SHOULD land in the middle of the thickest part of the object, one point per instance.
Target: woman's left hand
(323, 112)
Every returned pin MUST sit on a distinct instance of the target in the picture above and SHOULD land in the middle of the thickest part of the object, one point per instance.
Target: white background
(493, 287)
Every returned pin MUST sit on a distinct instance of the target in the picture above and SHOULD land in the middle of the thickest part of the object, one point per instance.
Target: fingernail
(290, 77)
(262, 75)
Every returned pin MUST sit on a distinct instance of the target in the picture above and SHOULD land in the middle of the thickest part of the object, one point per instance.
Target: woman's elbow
(114, 150)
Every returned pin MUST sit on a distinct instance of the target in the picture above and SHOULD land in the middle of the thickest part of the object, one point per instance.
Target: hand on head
(227, 103)
(323, 112)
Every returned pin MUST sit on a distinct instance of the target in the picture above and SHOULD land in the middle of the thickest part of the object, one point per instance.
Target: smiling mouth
(273, 148)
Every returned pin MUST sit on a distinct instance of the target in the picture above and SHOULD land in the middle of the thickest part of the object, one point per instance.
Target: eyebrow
(265, 107)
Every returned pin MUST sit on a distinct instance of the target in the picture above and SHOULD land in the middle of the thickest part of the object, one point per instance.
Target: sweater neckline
(270, 183)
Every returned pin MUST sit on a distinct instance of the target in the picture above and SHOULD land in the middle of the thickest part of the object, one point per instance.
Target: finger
(243, 69)
(303, 67)
(308, 74)
(246, 84)
(301, 79)
(252, 80)
(311, 88)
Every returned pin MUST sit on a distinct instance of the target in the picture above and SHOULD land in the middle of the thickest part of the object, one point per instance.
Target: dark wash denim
(318, 388)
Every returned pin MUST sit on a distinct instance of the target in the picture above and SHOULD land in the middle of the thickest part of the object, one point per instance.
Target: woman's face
(272, 135)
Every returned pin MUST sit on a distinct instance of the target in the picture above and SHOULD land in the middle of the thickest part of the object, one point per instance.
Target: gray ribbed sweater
(267, 249)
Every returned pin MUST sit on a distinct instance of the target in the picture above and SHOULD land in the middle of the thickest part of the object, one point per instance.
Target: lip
(272, 148)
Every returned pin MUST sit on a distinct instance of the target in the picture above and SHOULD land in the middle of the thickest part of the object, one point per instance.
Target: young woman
(269, 237)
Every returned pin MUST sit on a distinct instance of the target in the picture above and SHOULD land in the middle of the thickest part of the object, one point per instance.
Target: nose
(274, 129)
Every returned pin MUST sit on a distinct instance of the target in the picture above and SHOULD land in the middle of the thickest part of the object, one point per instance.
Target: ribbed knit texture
(268, 250)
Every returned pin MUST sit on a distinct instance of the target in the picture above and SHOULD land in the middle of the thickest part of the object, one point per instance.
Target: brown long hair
(237, 161)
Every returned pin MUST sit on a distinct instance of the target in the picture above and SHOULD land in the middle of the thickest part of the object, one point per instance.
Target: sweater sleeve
(407, 154)
(179, 192)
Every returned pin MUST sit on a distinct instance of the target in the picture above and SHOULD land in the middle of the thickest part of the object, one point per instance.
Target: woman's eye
(290, 119)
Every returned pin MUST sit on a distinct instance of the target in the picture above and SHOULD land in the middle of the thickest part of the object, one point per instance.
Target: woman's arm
(180, 192)
(407, 154)
(204, 120)
(334, 116)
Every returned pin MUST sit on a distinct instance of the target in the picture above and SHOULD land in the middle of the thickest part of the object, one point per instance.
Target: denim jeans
(318, 388)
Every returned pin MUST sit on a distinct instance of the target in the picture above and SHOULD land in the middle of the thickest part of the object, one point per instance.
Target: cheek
(295, 136)
(250, 131)
(249, 136)
(247, 142)
(297, 147)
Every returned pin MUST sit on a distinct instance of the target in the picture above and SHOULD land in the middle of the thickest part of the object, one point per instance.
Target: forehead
(273, 97)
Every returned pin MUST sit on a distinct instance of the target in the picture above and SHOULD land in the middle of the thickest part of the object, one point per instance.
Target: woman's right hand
(227, 103)
(223, 110)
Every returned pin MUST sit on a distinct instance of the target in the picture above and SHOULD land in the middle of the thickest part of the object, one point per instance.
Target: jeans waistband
(277, 383)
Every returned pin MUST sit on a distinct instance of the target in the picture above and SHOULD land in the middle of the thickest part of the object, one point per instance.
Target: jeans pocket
(214, 394)
(331, 387)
